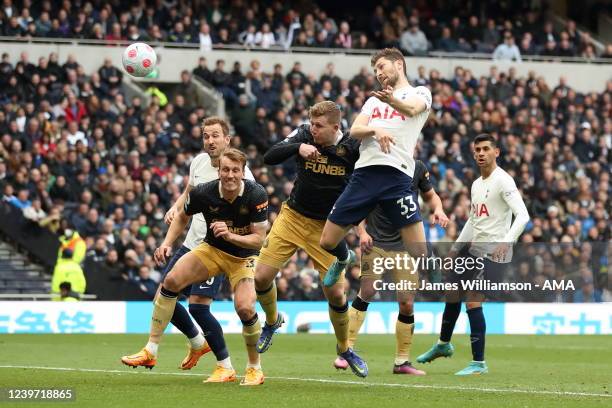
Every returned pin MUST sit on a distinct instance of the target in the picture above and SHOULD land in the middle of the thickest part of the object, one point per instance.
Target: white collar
(339, 136)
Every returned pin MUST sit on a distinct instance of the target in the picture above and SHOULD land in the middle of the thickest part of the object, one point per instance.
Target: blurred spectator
(413, 41)
(67, 270)
(507, 51)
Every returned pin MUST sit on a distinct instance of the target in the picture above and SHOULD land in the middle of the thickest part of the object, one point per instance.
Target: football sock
(197, 342)
(341, 252)
(478, 328)
(211, 328)
(182, 321)
(152, 348)
(449, 318)
(267, 300)
(251, 330)
(162, 313)
(225, 363)
(404, 329)
(340, 320)
(357, 315)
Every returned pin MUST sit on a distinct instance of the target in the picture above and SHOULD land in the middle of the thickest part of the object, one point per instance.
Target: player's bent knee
(245, 311)
(171, 283)
(406, 308)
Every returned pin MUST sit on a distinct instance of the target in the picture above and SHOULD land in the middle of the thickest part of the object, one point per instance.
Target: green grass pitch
(525, 371)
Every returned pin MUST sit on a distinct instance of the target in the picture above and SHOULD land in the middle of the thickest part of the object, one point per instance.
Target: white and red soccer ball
(139, 59)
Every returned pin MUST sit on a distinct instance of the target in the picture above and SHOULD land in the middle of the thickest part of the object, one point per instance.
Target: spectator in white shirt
(35, 212)
(507, 51)
(75, 135)
(206, 41)
(265, 38)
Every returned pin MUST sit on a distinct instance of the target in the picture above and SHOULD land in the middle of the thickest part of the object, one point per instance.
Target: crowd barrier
(134, 317)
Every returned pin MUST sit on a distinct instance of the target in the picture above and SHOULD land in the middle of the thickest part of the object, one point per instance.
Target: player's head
(215, 132)
(324, 122)
(389, 66)
(231, 169)
(485, 150)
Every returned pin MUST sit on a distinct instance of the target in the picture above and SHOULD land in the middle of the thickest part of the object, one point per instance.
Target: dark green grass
(522, 370)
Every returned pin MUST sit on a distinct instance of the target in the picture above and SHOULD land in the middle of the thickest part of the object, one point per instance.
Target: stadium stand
(111, 166)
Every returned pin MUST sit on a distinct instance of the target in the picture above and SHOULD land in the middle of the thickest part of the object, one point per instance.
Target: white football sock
(197, 342)
(225, 363)
(152, 348)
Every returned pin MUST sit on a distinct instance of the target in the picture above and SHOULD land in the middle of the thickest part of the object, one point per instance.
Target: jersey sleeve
(424, 181)
(286, 148)
(196, 200)
(367, 107)
(425, 94)
(512, 196)
(259, 205)
(248, 175)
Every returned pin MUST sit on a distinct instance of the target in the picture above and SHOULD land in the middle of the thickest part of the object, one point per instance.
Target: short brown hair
(235, 155)
(328, 109)
(216, 120)
(392, 54)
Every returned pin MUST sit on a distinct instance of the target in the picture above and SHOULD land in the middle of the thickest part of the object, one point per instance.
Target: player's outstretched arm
(437, 210)
(411, 105)
(360, 130)
(285, 149)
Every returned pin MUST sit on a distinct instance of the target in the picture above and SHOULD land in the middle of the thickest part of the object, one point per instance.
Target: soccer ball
(139, 59)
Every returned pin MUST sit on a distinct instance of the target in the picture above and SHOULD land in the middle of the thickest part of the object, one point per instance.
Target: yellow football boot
(253, 376)
(142, 358)
(221, 375)
(193, 356)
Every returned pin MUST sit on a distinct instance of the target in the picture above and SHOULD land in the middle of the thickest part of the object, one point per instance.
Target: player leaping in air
(235, 211)
(388, 126)
(325, 159)
(490, 233)
(378, 239)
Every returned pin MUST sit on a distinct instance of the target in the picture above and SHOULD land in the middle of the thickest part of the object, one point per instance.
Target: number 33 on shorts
(408, 206)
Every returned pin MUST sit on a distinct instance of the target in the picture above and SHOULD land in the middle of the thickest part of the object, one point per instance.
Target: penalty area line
(328, 381)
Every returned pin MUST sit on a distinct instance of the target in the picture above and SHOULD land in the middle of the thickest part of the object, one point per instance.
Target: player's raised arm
(294, 143)
(412, 105)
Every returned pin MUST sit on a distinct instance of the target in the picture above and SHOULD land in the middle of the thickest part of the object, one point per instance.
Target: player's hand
(438, 217)
(384, 139)
(220, 230)
(162, 254)
(385, 95)
(169, 216)
(366, 243)
(309, 152)
(500, 251)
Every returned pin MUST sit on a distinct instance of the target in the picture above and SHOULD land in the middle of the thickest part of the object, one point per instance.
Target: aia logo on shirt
(480, 210)
(386, 114)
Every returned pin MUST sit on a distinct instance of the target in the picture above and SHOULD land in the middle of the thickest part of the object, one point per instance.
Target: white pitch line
(327, 381)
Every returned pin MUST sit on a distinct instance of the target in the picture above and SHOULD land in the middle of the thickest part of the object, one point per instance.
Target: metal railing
(280, 49)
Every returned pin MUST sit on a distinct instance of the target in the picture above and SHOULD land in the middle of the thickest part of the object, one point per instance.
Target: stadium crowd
(508, 31)
(75, 154)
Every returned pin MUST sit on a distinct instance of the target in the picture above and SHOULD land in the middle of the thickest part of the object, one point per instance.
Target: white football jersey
(494, 201)
(202, 171)
(404, 129)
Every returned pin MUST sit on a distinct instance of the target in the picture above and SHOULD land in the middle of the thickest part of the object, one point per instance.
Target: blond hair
(235, 155)
(328, 109)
